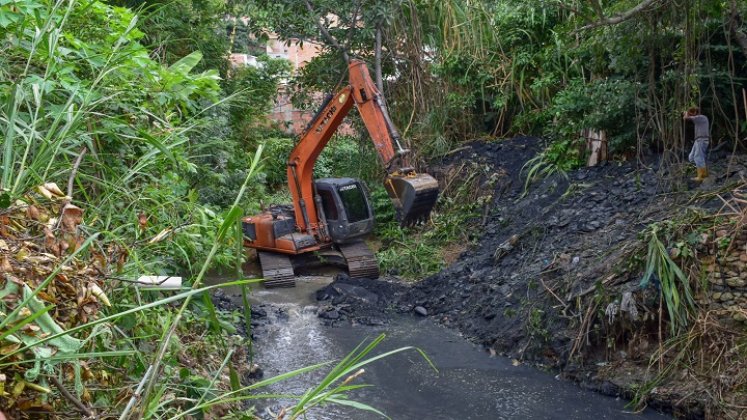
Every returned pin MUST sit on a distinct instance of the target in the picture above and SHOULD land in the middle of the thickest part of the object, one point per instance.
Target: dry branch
(70, 397)
(328, 36)
(622, 17)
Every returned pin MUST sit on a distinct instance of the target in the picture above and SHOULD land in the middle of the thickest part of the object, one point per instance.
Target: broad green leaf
(187, 63)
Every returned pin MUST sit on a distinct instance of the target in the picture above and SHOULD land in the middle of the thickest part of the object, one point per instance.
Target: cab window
(354, 202)
(328, 203)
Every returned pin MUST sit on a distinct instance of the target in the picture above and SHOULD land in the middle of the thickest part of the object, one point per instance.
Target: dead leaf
(32, 212)
(45, 192)
(142, 221)
(4, 246)
(10, 348)
(86, 397)
(72, 216)
(39, 259)
(48, 234)
(64, 245)
(47, 297)
(5, 266)
(161, 235)
(100, 295)
(22, 254)
(54, 189)
(30, 329)
(32, 245)
(121, 260)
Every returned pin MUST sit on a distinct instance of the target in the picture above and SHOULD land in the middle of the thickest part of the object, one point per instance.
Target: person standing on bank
(700, 145)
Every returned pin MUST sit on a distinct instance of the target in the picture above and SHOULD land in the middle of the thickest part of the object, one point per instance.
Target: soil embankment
(555, 278)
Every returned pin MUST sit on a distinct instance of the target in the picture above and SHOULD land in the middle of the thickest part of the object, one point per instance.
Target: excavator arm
(413, 194)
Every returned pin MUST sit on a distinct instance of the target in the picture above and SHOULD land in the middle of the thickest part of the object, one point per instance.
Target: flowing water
(469, 383)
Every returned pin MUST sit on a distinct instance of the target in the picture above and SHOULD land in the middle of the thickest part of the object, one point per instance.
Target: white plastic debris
(160, 282)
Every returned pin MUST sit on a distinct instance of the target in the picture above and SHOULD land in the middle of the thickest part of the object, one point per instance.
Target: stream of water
(469, 383)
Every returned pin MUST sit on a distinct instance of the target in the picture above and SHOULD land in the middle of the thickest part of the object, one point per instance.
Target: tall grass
(333, 388)
(673, 283)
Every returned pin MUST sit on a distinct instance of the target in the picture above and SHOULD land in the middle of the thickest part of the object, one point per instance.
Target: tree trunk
(377, 60)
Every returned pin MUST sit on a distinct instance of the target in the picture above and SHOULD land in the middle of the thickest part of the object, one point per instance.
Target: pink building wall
(298, 53)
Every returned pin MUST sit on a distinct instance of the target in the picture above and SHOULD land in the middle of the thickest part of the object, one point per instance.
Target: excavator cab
(346, 208)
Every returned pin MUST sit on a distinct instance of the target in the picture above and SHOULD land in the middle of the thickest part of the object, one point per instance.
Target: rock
(421, 311)
(721, 233)
(736, 282)
(258, 312)
(590, 227)
(255, 372)
(743, 257)
(725, 297)
(331, 314)
(347, 293)
(716, 296)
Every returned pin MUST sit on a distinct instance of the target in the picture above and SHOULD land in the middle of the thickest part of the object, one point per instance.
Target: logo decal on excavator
(326, 119)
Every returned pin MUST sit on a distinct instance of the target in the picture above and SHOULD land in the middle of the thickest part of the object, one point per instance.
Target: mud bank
(555, 256)
(555, 278)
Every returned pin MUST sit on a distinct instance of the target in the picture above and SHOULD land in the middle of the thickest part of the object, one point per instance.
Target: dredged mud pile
(551, 260)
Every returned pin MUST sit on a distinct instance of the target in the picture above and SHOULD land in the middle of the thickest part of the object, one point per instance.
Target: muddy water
(469, 384)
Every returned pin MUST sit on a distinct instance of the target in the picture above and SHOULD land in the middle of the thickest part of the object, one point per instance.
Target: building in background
(298, 54)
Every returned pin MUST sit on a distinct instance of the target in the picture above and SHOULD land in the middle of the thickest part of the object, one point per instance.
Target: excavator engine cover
(413, 195)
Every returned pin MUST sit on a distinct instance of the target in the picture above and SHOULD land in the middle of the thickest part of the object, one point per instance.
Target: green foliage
(416, 252)
(410, 258)
(534, 67)
(82, 86)
(600, 105)
(558, 158)
(535, 325)
(231, 131)
(671, 281)
(176, 29)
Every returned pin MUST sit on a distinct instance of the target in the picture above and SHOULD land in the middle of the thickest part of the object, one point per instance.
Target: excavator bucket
(413, 195)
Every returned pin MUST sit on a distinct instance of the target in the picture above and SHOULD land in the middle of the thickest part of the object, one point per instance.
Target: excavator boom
(413, 194)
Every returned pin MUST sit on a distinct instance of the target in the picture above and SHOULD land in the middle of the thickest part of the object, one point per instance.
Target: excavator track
(360, 260)
(277, 270)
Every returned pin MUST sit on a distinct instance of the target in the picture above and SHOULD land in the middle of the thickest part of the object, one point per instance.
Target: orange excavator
(330, 217)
